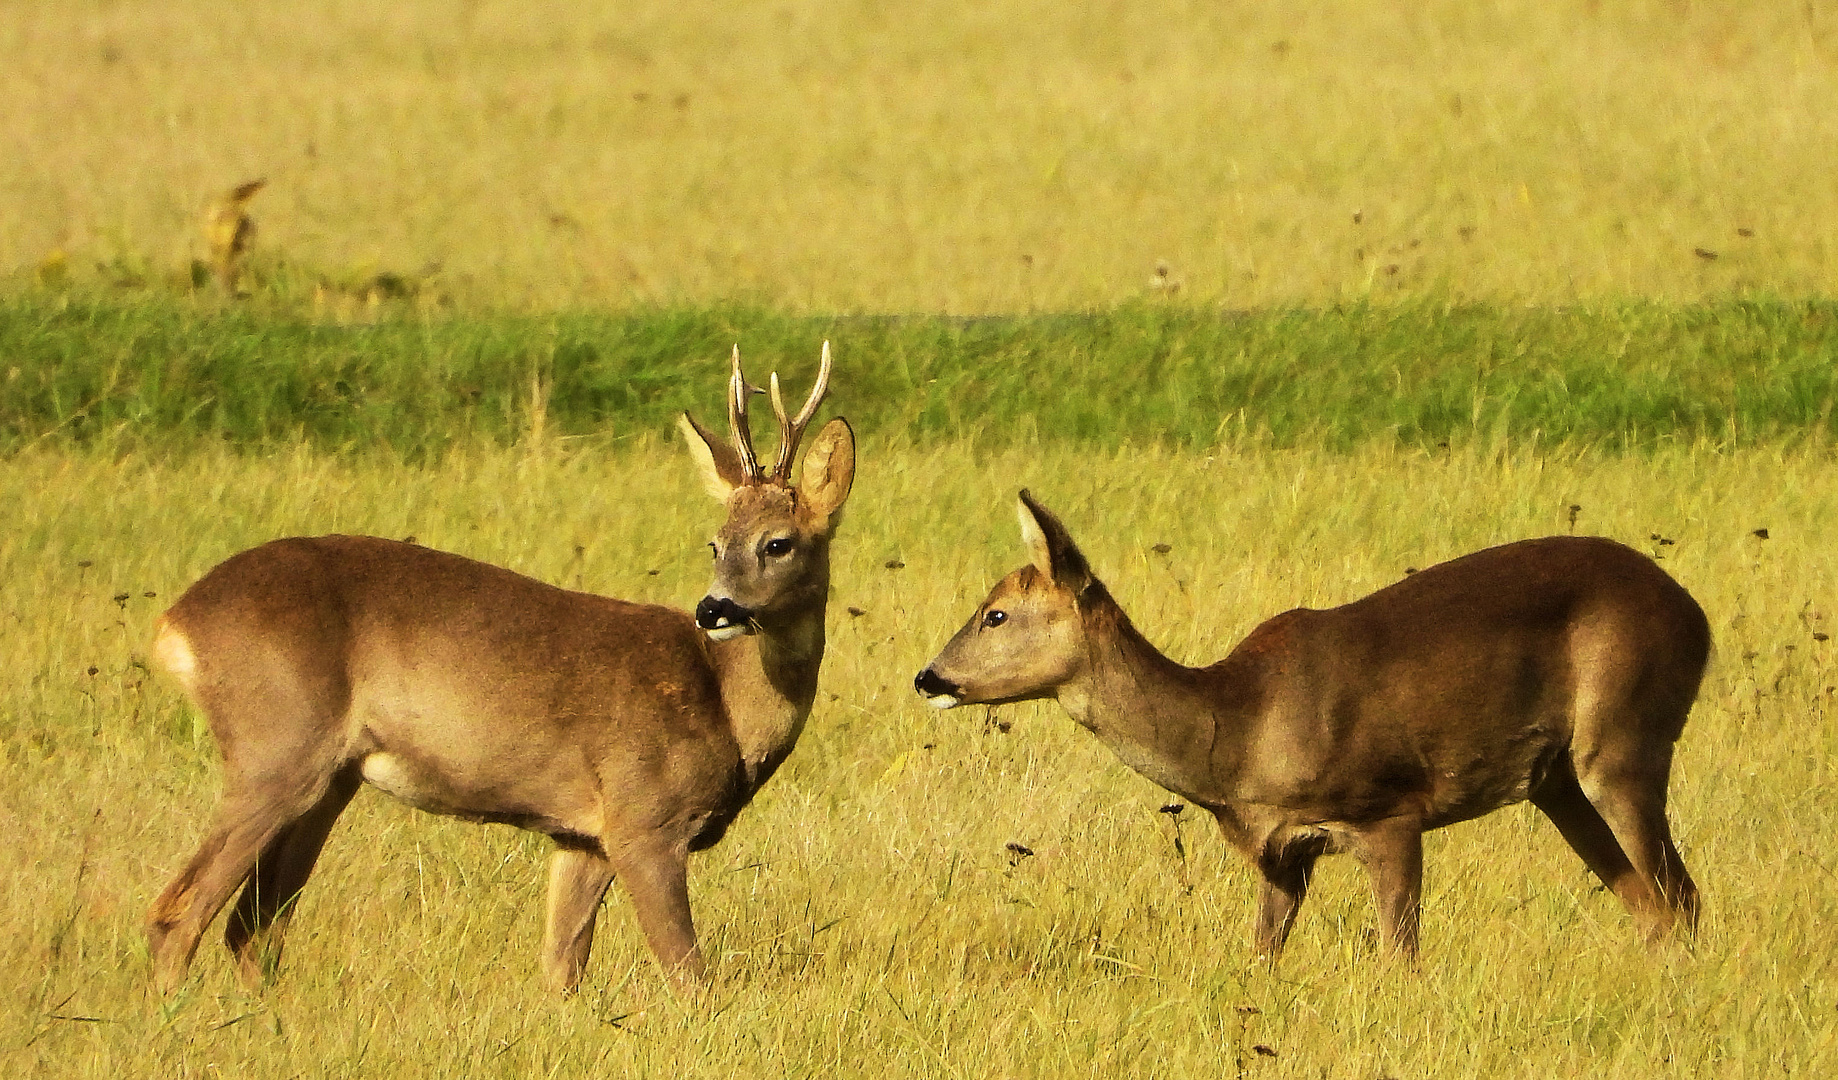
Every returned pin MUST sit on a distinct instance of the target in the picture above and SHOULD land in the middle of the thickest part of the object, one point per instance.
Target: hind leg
(256, 926)
(1632, 801)
(1633, 693)
(1560, 798)
(1627, 790)
(247, 821)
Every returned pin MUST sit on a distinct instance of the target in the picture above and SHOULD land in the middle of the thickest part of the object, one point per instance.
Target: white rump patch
(172, 650)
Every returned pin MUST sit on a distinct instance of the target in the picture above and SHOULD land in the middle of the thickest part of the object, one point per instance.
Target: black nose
(713, 614)
(930, 684)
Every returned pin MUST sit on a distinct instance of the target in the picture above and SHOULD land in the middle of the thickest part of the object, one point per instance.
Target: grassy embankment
(157, 372)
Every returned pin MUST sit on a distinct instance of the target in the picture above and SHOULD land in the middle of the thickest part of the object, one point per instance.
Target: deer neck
(1169, 722)
(768, 682)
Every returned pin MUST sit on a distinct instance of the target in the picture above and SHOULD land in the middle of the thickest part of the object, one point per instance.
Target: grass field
(832, 155)
(1311, 294)
(864, 915)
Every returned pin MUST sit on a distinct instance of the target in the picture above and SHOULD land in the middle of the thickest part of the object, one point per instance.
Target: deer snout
(721, 618)
(938, 691)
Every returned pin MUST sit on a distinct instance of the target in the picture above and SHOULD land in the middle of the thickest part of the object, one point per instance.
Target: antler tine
(738, 392)
(790, 432)
(785, 435)
(823, 387)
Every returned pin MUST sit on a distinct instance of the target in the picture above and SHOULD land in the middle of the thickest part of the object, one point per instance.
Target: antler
(738, 392)
(790, 431)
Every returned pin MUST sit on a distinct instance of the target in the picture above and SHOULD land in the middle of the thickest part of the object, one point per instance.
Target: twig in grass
(1125, 964)
(231, 1021)
(1245, 1012)
(54, 1014)
(56, 945)
(81, 412)
(1814, 859)
(1173, 810)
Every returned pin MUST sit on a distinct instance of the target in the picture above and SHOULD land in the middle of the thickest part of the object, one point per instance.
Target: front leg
(655, 874)
(1392, 851)
(578, 878)
(1286, 872)
(1284, 869)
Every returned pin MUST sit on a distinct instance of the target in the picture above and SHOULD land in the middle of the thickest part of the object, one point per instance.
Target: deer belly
(392, 775)
(527, 799)
(438, 792)
(1508, 775)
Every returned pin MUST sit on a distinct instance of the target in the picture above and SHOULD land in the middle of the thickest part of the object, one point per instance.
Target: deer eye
(778, 545)
(995, 618)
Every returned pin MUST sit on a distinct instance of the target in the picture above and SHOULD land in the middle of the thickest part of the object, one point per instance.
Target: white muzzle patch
(942, 701)
(726, 633)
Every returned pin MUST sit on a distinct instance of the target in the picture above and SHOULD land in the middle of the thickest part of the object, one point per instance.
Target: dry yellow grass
(836, 155)
(864, 917)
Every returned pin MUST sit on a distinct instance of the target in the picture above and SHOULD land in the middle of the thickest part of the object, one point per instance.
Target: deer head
(772, 554)
(1027, 638)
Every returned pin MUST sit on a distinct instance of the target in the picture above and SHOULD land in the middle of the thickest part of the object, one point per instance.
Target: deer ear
(829, 471)
(718, 462)
(1050, 546)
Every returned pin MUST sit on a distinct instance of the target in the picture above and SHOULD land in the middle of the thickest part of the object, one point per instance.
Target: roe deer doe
(1559, 670)
(629, 733)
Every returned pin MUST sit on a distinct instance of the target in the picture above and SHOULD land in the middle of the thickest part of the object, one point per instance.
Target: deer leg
(257, 924)
(1621, 754)
(1284, 884)
(244, 824)
(1561, 799)
(578, 878)
(1392, 851)
(1633, 804)
(656, 877)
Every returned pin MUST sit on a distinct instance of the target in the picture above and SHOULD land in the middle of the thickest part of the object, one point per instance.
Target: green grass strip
(158, 371)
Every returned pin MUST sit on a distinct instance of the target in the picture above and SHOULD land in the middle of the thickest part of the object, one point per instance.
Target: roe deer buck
(1558, 670)
(631, 734)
